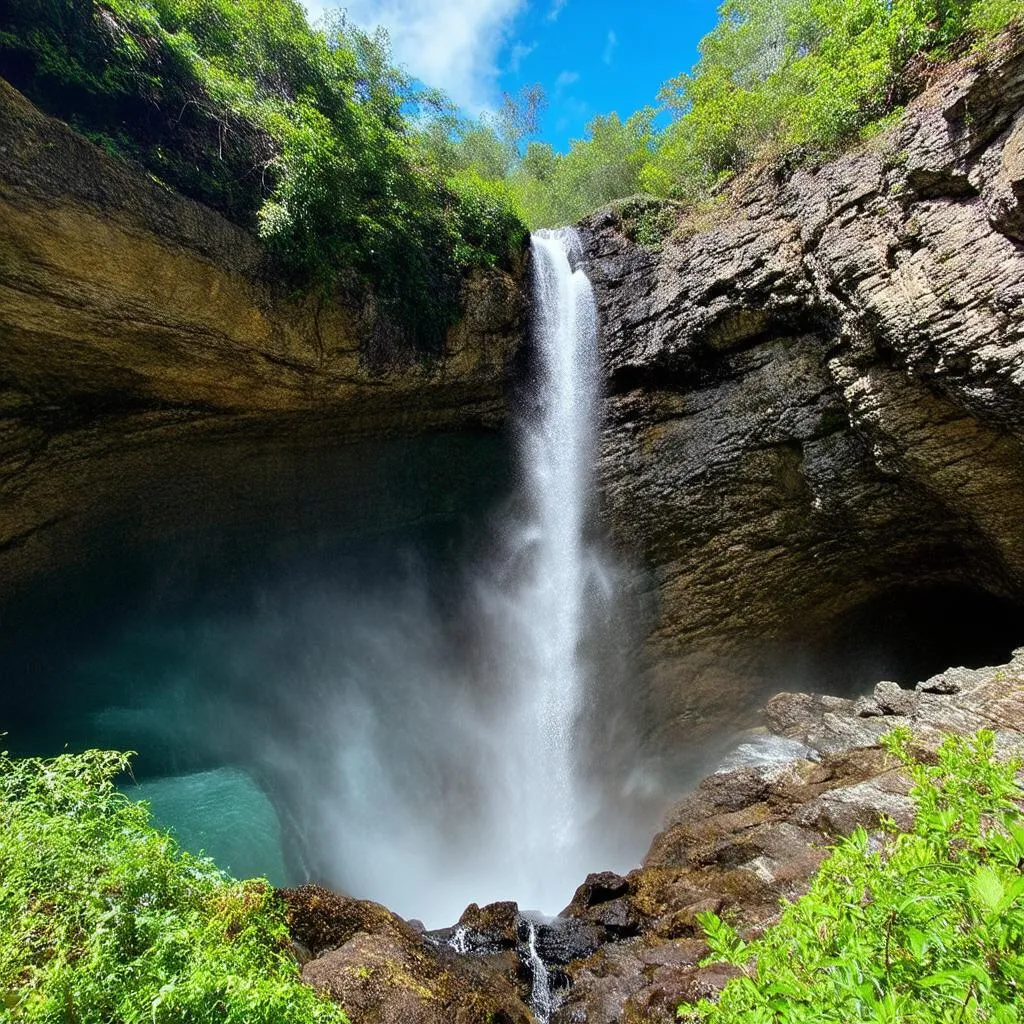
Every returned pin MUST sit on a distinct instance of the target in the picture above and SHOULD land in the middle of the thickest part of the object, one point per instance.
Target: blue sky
(591, 56)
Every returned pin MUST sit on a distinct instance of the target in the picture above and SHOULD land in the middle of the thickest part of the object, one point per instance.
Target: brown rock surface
(749, 836)
(817, 402)
(380, 970)
(135, 323)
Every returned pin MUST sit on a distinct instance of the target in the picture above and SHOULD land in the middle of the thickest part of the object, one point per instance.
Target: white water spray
(541, 1001)
(540, 606)
(430, 748)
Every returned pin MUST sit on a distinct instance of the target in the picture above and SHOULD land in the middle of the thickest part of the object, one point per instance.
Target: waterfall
(432, 746)
(541, 604)
(557, 449)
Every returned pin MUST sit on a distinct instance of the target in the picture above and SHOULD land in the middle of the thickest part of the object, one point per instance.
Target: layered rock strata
(136, 324)
(816, 396)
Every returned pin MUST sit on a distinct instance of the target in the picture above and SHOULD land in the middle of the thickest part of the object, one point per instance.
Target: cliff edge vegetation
(306, 134)
(793, 80)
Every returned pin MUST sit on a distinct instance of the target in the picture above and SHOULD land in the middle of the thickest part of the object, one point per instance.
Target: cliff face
(134, 323)
(818, 400)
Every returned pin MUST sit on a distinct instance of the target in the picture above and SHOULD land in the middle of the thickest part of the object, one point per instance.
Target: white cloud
(519, 53)
(451, 44)
(609, 47)
(556, 9)
(566, 78)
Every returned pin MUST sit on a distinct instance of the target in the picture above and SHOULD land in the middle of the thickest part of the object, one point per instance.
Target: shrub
(925, 927)
(103, 918)
(302, 133)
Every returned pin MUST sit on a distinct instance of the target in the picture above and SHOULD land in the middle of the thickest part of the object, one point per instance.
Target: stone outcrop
(816, 399)
(750, 835)
(135, 323)
(381, 970)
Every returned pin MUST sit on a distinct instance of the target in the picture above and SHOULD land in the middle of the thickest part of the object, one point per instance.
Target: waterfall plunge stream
(543, 611)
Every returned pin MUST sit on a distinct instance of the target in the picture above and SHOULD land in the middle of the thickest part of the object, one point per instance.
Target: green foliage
(303, 133)
(647, 221)
(103, 919)
(604, 166)
(548, 188)
(925, 927)
(776, 78)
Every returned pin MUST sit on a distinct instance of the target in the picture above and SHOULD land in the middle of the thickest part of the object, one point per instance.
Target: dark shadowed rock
(815, 401)
(495, 923)
(599, 887)
(564, 939)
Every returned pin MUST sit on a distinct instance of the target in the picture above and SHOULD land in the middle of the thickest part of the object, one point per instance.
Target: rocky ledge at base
(627, 949)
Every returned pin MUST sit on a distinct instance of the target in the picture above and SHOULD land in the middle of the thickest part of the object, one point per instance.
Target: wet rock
(599, 887)
(601, 986)
(618, 918)
(564, 939)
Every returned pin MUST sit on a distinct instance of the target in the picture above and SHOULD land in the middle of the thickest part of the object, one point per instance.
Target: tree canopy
(775, 77)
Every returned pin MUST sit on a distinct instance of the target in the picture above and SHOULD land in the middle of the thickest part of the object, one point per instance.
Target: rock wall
(135, 323)
(817, 399)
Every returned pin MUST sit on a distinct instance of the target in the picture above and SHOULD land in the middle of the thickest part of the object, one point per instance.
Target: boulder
(320, 919)
(599, 887)
(893, 700)
(391, 979)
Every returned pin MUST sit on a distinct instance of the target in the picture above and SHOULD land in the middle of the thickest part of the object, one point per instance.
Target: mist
(438, 715)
